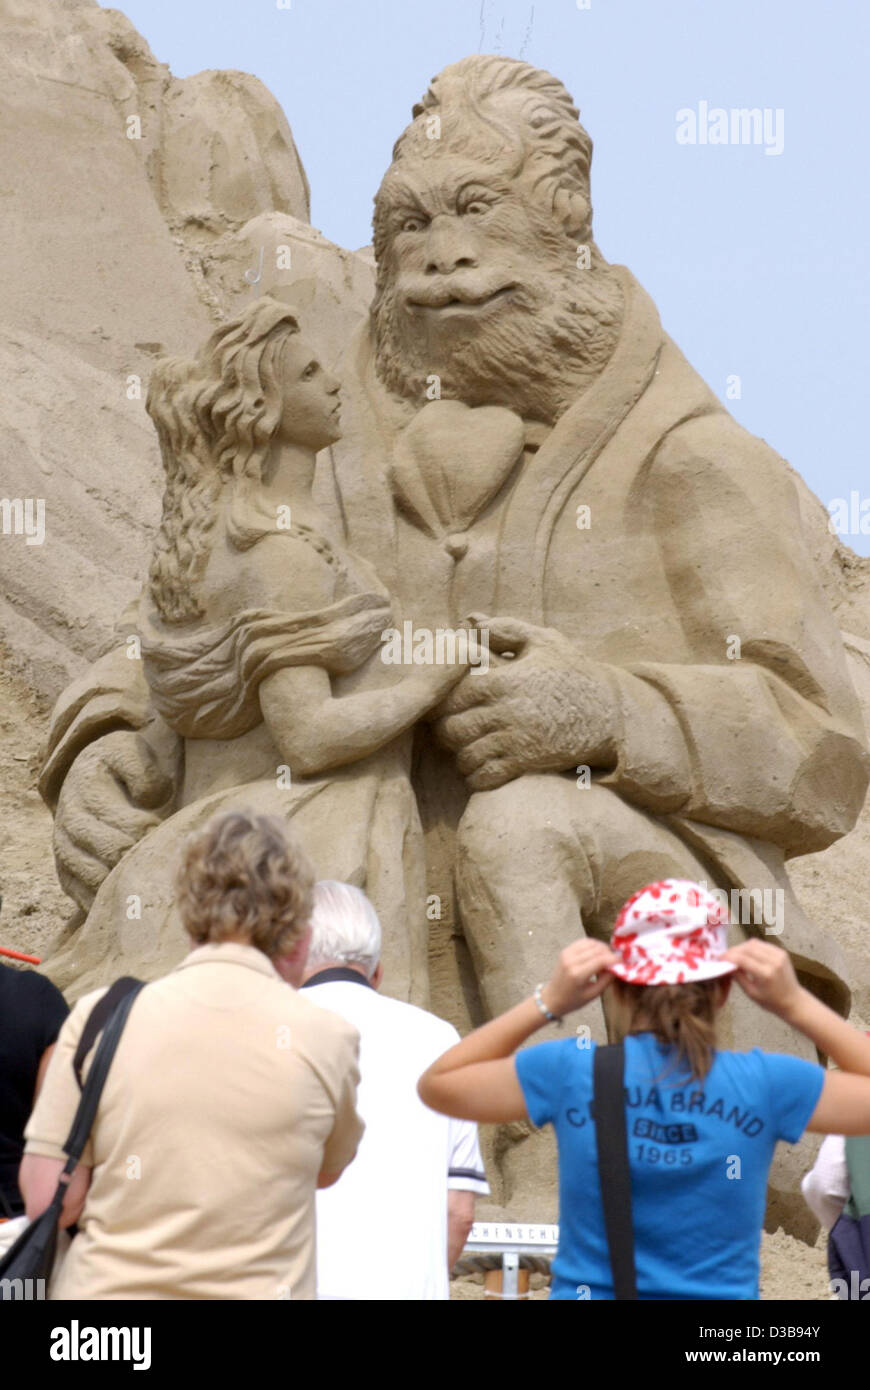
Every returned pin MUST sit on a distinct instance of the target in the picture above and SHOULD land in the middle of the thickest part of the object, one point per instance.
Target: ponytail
(681, 1016)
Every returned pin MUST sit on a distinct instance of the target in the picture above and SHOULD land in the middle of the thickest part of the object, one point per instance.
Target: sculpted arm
(758, 731)
(315, 731)
(769, 722)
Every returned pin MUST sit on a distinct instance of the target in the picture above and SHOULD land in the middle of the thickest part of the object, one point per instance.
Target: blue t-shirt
(699, 1155)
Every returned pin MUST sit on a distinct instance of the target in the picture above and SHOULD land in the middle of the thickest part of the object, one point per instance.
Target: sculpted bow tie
(450, 461)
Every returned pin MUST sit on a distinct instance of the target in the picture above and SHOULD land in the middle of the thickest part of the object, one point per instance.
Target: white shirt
(826, 1185)
(382, 1229)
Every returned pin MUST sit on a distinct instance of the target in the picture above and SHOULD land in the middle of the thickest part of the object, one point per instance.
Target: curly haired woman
(229, 1101)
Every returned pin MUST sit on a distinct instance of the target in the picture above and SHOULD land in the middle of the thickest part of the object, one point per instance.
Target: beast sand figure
(671, 698)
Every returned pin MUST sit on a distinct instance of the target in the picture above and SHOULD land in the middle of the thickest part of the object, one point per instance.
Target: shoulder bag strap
(97, 1019)
(613, 1167)
(87, 1108)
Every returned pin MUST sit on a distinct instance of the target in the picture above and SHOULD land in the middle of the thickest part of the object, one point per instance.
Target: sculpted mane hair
(215, 416)
(559, 327)
(557, 151)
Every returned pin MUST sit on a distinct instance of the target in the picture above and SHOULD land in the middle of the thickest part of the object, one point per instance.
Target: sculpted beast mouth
(457, 299)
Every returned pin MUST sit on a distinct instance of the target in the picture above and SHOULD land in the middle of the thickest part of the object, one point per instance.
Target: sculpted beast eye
(413, 224)
(475, 201)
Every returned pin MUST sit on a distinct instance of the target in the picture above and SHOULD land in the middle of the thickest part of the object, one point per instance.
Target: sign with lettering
(510, 1235)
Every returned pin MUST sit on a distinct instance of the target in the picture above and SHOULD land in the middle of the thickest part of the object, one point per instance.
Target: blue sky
(758, 262)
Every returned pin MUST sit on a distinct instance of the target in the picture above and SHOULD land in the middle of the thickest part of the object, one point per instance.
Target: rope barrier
(482, 1264)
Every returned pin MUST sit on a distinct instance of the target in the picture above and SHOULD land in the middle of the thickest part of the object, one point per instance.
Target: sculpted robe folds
(750, 750)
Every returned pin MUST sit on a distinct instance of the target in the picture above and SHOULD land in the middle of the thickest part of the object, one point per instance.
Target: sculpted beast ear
(573, 210)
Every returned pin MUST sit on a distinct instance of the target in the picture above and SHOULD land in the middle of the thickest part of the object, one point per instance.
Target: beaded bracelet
(539, 1000)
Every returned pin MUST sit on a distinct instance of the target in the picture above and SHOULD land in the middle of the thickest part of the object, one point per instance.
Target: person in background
(32, 1011)
(229, 1100)
(396, 1223)
(826, 1186)
(698, 1116)
(838, 1186)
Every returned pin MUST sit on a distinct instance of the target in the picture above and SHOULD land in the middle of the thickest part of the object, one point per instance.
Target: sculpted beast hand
(546, 710)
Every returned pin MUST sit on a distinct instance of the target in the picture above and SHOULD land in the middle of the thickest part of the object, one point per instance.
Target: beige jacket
(227, 1096)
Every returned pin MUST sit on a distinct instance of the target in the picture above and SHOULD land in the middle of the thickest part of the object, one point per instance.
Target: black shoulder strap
(93, 1087)
(98, 1017)
(613, 1168)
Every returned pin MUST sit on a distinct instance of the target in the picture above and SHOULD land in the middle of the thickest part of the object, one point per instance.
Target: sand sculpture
(523, 448)
(261, 643)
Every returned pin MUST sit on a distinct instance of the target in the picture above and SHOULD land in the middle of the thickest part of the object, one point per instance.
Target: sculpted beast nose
(448, 247)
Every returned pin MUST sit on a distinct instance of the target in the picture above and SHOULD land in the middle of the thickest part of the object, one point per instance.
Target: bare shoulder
(281, 572)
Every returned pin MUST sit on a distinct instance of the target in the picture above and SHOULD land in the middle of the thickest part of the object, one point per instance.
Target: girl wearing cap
(702, 1122)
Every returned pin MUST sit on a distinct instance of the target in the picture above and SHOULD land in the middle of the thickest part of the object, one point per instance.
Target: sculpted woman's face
(311, 398)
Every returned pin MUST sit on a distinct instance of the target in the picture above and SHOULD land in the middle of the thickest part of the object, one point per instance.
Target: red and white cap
(671, 933)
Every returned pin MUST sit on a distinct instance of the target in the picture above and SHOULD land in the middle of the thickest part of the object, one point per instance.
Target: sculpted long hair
(215, 416)
(681, 1016)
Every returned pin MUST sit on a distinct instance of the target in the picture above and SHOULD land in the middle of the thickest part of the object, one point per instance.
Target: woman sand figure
(260, 637)
(702, 1122)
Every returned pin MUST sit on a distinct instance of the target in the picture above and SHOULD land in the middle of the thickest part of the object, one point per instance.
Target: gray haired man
(396, 1222)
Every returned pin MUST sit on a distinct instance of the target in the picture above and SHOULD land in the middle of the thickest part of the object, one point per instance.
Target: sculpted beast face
(478, 281)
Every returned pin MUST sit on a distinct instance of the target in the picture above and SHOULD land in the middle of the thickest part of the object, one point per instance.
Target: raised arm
(766, 973)
(477, 1079)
